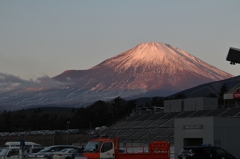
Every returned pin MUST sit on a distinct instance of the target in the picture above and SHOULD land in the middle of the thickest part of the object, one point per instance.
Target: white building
(190, 104)
(217, 131)
(233, 94)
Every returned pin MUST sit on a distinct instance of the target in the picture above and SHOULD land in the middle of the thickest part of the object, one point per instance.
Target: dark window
(220, 152)
(207, 150)
(186, 151)
(199, 151)
(55, 149)
(106, 146)
(192, 141)
(13, 152)
(35, 150)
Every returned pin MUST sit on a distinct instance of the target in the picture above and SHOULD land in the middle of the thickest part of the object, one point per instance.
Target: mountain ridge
(147, 70)
(144, 65)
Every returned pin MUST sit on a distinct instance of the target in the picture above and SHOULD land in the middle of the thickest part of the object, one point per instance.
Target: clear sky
(46, 37)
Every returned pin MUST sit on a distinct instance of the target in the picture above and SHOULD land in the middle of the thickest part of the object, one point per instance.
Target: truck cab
(108, 148)
(100, 148)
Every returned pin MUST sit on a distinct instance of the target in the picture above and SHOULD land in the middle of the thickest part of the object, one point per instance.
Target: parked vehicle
(105, 147)
(204, 152)
(32, 150)
(68, 153)
(16, 152)
(11, 153)
(25, 143)
(48, 152)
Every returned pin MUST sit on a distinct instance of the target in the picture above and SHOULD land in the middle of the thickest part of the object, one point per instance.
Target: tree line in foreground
(100, 113)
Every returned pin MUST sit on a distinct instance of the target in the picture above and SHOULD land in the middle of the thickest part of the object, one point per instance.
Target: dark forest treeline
(98, 114)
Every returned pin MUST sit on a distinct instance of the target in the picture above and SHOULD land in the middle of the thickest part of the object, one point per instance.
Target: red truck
(105, 147)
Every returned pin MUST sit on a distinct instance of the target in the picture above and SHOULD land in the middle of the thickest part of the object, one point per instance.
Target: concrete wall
(237, 103)
(228, 96)
(190, 104)
(193, 104)
(173, 105)
(210, 103)
(218, 131)
(226, 134)
(201, 103)
(194, 130)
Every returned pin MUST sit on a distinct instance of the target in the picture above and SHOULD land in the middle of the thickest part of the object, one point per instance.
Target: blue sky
(46, 37)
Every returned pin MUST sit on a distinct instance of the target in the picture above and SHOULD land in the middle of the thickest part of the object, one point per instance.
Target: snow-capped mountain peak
(148, 66)
(147, 70)
(161, 58)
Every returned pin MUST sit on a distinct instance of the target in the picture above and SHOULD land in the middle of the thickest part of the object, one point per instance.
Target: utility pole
(68, 131)
(90, 132)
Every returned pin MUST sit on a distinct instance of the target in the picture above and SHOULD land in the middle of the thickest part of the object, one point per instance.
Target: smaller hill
(209, 88)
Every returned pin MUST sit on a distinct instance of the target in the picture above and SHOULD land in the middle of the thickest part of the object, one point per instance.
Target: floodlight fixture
(233, 55)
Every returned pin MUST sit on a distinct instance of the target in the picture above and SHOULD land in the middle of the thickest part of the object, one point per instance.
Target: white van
(28, 144)
(11, 153)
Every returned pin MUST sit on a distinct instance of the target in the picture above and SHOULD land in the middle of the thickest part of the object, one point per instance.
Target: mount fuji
(149, 69)
(145, 69)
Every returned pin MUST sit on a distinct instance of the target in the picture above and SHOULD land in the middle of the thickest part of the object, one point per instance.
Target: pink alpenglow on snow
(146, 67)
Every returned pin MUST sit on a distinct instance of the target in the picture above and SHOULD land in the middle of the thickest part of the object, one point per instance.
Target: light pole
(89, 134)
(68, 131)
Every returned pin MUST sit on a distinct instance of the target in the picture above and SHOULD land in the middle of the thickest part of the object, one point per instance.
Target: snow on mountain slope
(146, 67)
(147, 70)
(162, 58)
